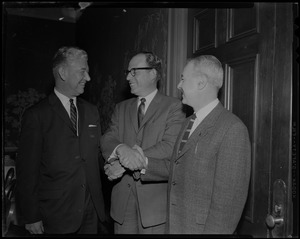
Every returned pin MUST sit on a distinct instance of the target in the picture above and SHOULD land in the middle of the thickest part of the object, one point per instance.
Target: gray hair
(211, 67)
(65, 55)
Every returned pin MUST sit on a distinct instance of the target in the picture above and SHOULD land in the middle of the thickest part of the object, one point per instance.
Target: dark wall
(111, 36)
(28, 47)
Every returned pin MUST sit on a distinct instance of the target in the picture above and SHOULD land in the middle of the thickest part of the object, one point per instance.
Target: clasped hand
(130, 158)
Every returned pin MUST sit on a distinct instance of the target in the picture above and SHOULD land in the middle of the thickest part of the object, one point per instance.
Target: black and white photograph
(150, 119)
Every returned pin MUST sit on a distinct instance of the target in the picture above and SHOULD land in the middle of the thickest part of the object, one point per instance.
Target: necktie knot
(143, 100)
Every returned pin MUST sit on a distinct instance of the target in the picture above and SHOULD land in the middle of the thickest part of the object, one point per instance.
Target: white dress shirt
(202, 113)
(148, 99)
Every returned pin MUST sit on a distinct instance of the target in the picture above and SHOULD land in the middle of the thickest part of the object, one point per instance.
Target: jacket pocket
(201, 218)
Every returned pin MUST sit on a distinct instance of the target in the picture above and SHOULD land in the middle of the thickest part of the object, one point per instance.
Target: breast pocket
(201, 217)
(93, 135)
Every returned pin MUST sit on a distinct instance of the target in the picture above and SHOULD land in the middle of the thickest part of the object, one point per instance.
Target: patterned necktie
(187, 132)
(141, 112)
(73, 115)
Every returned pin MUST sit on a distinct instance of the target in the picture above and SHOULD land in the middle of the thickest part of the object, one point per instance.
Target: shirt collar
(64, 99)
(203, 112)
(149, 97)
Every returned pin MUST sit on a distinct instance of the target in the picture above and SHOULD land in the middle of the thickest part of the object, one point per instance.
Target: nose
(179, 85)
(128, 77)
(87, 76)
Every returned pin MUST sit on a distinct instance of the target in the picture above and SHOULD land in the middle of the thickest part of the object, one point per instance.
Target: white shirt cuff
(113, 155)
(143, 171)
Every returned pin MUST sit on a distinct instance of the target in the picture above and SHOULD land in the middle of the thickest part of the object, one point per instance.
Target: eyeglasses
(132, 70)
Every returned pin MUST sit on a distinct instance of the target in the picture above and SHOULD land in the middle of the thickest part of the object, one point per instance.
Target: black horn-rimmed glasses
(132, 71)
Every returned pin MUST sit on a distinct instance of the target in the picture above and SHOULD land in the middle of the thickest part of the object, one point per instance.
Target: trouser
(132, 221)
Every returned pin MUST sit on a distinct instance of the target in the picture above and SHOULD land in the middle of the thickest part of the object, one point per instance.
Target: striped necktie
(141, 111)
(187, 133)
(73, 115)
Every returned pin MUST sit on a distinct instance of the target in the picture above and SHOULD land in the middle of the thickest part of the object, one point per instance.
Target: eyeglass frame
(132, 70)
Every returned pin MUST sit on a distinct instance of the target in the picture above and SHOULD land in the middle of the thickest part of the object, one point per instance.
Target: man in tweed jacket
(209, 177)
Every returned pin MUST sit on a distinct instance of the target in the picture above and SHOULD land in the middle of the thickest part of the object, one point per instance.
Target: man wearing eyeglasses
(152, 121)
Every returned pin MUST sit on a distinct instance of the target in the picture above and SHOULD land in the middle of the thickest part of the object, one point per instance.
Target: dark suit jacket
(209, 179)
(156, 137)
(55, 166)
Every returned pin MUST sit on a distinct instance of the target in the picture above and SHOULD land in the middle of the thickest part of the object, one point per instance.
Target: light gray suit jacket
(209, 179)
(156, 136)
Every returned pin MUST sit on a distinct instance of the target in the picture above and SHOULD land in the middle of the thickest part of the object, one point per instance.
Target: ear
(153, 73)
(202, 82)
(62, 73)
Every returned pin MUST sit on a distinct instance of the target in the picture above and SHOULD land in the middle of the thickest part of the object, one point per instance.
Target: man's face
(142, 82)
(189, 85)
(76, 75)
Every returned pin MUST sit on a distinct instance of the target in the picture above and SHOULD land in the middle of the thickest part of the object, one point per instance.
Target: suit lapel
(152, 109)
(133, 114)
(60, 109)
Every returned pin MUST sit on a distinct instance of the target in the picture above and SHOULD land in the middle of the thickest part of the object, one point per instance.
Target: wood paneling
(242, 22)
(204, 30)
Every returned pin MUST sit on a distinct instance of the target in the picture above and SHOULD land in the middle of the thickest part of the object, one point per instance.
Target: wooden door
(255, 46)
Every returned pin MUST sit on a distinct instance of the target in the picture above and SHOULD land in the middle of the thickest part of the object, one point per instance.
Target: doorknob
(272, 221)
(276, 220)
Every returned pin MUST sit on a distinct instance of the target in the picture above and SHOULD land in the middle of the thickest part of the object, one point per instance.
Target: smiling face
(189, 85)
(143, 82)
(74, 74)
(77, 75)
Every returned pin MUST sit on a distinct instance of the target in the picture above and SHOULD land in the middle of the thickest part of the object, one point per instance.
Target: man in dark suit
(58, 172)
(209, 171)
(137, 207)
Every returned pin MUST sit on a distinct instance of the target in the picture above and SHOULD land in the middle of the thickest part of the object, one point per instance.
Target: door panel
(242, 21)
(255, 47)
(241, 83)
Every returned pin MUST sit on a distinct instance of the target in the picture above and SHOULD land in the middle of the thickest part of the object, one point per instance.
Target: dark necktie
(141, 111)
(187, 132)
(73, 115)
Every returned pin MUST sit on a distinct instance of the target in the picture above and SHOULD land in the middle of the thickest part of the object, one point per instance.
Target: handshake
(128, 158)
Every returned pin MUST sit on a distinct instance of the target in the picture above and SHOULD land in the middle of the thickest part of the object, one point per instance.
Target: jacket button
(173, 183)
(129, 185)
(77, 157)
(83, 185)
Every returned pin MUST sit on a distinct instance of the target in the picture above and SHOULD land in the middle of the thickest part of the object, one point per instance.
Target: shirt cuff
(143, 171)
(113, 156)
